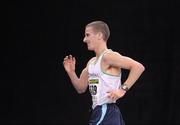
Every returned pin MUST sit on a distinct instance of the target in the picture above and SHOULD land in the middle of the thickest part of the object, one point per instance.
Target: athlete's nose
(84, 40)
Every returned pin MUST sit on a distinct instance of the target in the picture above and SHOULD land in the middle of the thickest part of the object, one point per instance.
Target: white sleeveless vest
(100, 82)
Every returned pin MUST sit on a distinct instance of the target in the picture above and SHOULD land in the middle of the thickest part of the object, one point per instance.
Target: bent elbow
(142, 68)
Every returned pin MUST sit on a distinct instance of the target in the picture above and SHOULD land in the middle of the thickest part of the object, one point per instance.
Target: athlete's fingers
(110, 95)
(114, 96)
(66, 58)
(70, 56)
(74, 59)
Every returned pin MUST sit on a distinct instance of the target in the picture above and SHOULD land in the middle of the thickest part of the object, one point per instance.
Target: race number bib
(93, 88)
(93, 84)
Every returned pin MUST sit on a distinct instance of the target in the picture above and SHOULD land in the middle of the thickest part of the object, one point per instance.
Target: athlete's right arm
(81, 83)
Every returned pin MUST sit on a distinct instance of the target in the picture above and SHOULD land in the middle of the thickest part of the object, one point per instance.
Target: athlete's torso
(100, 82)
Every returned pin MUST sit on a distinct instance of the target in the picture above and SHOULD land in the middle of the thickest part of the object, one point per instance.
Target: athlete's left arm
(114, 59)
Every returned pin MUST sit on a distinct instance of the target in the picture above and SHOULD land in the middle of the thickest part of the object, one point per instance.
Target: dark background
(41, 33)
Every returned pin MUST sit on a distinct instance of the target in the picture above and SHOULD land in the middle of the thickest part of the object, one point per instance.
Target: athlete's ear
(100, 35)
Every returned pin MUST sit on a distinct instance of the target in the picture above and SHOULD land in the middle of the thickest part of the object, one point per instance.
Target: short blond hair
(100, 26)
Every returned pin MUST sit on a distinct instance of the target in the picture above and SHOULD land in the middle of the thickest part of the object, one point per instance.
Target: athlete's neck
(100, 50)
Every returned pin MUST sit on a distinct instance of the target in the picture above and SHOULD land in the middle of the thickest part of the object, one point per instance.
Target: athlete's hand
(69, 63)
(116, 94)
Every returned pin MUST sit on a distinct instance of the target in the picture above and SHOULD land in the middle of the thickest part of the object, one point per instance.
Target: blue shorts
(106, 114)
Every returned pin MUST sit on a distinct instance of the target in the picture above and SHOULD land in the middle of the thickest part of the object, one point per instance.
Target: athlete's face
(90, 38)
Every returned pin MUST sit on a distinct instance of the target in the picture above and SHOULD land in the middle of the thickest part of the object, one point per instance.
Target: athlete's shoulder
(90, 60)
(110, 54)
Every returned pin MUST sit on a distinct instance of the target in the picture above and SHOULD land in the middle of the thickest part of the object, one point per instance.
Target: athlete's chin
(90, 48)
